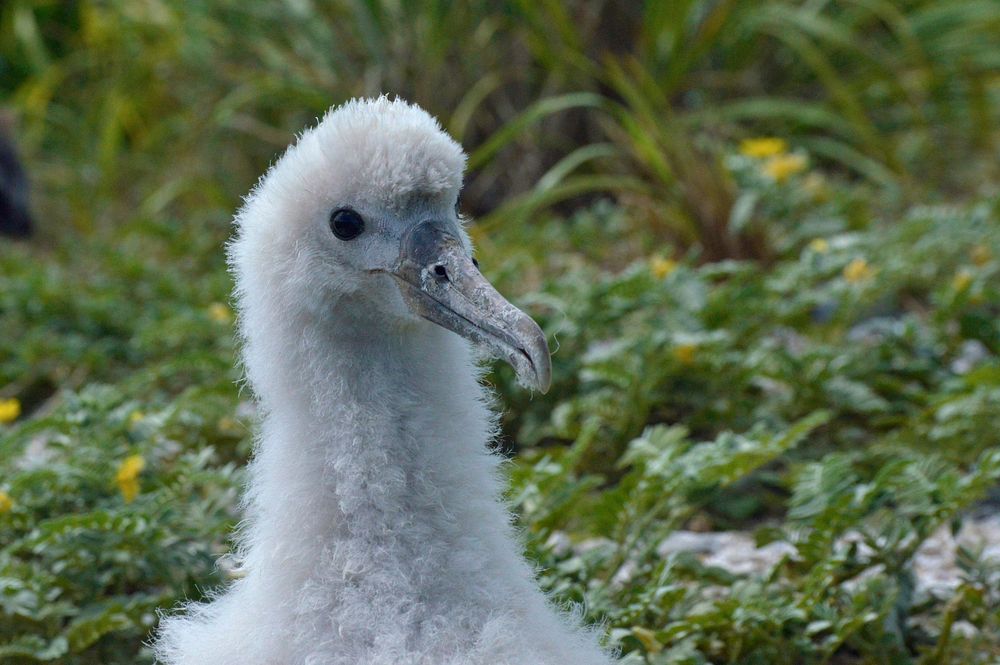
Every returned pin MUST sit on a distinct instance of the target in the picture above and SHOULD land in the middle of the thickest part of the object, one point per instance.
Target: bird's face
(370, 197)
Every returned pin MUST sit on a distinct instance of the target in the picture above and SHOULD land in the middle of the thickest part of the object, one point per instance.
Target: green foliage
(870, 367)
(784, 344)
(844, 410)
(632, 101)
(83, 570)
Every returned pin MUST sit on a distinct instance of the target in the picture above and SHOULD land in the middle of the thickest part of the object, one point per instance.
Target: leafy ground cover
(848, 389)
(795, 336)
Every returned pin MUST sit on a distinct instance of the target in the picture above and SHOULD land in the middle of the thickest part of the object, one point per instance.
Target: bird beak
(441, 283)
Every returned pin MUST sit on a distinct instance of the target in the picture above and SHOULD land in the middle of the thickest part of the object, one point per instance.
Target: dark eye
(346, 224)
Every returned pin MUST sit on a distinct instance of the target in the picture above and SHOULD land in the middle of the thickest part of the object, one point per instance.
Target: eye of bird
(346, 224)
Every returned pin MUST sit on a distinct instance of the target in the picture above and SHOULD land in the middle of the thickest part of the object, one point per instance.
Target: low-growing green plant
(119, 508)
(826, 596)
(841, 402)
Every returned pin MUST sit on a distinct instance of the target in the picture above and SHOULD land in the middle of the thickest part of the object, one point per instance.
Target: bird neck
(374, 457)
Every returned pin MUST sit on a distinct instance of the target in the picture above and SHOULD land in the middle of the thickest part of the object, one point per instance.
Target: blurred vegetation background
(763, 238)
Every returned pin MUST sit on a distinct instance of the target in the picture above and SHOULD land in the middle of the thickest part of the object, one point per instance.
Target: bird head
(359, 219)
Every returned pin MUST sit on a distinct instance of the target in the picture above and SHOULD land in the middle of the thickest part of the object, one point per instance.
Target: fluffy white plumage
(374, 533)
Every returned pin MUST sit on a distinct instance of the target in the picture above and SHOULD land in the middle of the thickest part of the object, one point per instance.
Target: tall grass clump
(897, 94)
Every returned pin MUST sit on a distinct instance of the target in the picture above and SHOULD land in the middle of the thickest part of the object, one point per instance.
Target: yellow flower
(685, 353)
(648, 639)
(6, 503)
(820, 245)
(763, 147)
(962, 280)
(220, 313)
(129, 489)
(980, 255)
(857, 270)
(127, 476)
(130, 468)
(781, 167)
(661, 267)
(10, 409)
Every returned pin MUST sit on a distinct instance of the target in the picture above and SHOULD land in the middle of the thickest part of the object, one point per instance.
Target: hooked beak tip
(543, 383)
(440, 283)
(538, 374)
